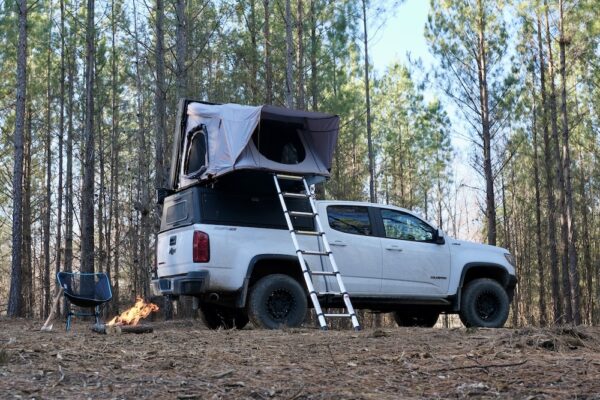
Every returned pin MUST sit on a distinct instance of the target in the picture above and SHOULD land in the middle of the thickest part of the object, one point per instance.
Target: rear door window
(350, 219)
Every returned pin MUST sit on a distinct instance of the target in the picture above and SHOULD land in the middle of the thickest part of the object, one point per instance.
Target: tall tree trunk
(180, 49)
(507, 242)
(27, 264)
(372, 194)
(117, 246)
(61, 135)
(587, 252)
(289, 56)
(566, 285)
(15, 300)
(101, 204)
(69, 197)
(538, 213)
(571, 247)
(254, 55)
(550, 199)
(300, 68)
(160, 104)
(113, 244)
(268, 65)
(160, 96)
(87, 191)
(48, 148)
(490, 201)
(314, 77)
(143, 206)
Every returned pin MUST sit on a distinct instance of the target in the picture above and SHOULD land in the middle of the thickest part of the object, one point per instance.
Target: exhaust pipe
(214, 297)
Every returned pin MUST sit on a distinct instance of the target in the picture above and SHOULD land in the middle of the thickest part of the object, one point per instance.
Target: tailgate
(174, 250)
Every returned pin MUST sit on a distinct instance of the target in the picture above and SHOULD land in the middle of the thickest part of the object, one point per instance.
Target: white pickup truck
(229, 248)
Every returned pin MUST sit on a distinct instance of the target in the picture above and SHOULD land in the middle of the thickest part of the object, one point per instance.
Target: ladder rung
(295, 195)
(301, 214)
(337, 315)
(314, 253)
(324, 273)
(290, 177)
(329, 293)
(308, 233)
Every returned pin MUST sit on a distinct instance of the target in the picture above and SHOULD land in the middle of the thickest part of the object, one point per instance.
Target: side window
(177, 212)
(350, 219)
(403, 226)
(196, 151)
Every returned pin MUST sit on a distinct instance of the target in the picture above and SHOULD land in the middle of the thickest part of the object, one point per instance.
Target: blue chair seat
(85, 290)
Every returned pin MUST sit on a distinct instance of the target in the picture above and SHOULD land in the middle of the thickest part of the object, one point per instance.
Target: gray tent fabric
(229, 130)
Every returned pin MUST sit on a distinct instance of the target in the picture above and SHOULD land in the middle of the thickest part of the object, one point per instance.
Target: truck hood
(477, 246)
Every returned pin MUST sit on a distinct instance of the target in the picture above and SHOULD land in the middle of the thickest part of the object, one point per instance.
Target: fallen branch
(47, 327)
(482, 366)
(224, 374)
(118, 329)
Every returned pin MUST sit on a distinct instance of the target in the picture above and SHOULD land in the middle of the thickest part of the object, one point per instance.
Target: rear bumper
(190, 284)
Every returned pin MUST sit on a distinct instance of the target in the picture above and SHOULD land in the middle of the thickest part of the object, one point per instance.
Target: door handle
(393, 248)
(338, 243)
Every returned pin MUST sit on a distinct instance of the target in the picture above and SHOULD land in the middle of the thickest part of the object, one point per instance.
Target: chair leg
(69, 313)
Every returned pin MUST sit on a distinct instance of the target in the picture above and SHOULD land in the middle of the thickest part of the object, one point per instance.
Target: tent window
(196, 152)
(279, 142)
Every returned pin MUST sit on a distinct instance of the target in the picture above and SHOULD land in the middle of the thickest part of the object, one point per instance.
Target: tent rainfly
(216, 139)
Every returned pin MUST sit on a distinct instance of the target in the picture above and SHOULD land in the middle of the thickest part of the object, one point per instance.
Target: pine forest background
(88, 100)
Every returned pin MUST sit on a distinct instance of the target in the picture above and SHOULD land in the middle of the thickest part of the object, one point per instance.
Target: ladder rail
(319, 232)
(334, 265)
(305, 272)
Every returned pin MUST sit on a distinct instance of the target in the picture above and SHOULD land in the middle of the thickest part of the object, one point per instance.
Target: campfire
(132, 316)
(128, 321)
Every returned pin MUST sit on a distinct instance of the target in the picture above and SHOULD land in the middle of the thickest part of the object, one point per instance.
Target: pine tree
(15, 300)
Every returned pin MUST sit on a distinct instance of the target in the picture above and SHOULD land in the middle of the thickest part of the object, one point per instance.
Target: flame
(132, 316)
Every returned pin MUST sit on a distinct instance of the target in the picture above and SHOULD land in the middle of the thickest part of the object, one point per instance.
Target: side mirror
(439, 237)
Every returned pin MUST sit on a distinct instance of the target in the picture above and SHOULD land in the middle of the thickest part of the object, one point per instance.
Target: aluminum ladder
(318, 232)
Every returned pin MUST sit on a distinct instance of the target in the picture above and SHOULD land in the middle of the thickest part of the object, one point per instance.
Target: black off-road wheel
(276, 301)
(424, 319)
(484, 304)
(220, 317)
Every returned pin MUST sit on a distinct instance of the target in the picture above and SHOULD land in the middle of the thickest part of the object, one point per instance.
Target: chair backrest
(90, 286)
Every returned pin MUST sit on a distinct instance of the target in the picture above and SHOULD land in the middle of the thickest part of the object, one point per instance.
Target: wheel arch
(476, 270)
(267, 264)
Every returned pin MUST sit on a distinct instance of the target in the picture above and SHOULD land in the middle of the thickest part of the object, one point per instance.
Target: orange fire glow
(132, 316)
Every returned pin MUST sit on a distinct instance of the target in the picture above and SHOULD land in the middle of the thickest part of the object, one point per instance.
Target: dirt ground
(184, 360)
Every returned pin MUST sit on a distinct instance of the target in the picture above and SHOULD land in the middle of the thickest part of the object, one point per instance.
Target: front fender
(475, 270)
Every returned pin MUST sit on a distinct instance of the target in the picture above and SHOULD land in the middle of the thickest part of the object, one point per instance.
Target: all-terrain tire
(275, 301)
(220, 317)
(484, 303)
(425, 319)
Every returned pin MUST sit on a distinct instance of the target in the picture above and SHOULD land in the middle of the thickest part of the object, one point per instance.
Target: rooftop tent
(216, 139)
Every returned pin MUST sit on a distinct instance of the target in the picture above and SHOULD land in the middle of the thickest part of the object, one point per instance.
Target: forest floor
(184, 360)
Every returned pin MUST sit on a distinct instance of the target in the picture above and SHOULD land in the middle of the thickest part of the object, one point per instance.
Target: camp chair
(85, 290)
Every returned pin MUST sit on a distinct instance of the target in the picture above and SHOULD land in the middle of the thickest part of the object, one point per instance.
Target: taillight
(201, 247)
